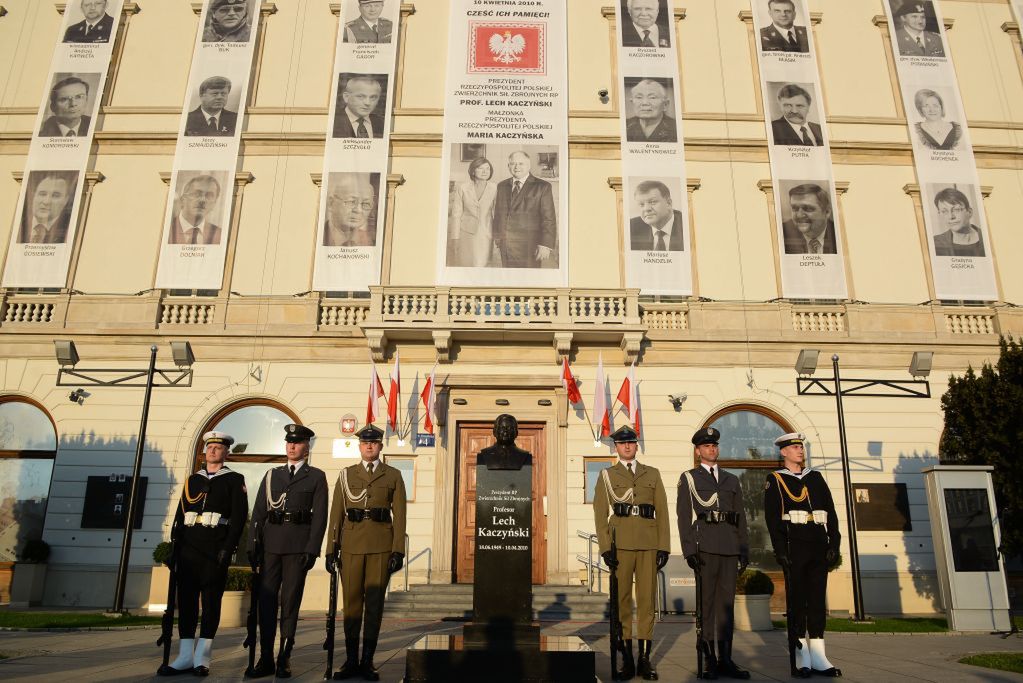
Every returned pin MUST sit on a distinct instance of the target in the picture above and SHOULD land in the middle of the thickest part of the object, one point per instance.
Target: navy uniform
(795, 40)
(367, 544)
(800, 516)
(207, 526)
(925, 44)
(288, 523)
(630, 500)
(715, 541)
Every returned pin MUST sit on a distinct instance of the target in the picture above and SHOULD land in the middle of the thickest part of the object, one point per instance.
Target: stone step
(454, 601)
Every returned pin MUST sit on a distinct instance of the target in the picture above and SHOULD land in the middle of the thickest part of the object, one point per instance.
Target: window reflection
(748, 435)
(24, 486)
(751, 482)
(23, 427)
(258, 430)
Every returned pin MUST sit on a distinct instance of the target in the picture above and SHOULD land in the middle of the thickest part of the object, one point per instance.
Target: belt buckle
(634, 511)
(190, 518)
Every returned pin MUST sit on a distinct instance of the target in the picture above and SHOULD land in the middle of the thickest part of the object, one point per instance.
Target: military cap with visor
(294, 433)
(217, 4)
(625, 434)
(909, 8)
(791, 439)
(705, 436)
(217, 437)
(370, 433)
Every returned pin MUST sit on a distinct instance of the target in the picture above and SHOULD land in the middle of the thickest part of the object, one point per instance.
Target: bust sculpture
(505, 455)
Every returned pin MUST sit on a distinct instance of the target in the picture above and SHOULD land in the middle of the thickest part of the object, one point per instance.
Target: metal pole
(122, 567)
(850, 508)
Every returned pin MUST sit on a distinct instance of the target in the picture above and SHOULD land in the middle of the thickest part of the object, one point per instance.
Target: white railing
(348, 314)
(186, 313)
(818, 320)
(39, 312)
(970, 323)
(665, 317)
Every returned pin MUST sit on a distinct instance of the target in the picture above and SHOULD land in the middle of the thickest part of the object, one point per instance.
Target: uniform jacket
(772, 40)
(343, 125)
(717, 538)
(525, 222)
(909, 47)
(386, 489)
(214, 33)
(211, 233)
(224, 493)
(664, 132)
(99, 34)
(777, 502)
(796, 244)
(785, 135)
(633, 532)
(358, 31)
(51, 129)
(306, 491)
(641, 235)
(195, 124)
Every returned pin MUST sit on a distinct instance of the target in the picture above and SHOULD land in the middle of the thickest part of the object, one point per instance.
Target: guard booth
(965, 528)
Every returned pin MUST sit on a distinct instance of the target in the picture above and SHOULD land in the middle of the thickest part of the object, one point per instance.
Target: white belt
(210, 519)
(805, 517)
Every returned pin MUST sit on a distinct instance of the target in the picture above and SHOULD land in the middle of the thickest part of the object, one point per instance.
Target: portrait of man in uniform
(658, 225)
(198, 205)
(915, 38)
(793, 126)
(228, 21)
(71, 100)
(809, 227)
(525, 227)
(47, 212)
(211, 117)
(649, 103)
(645, 23)
(783, 34)
(361, 105)
(351, 210)
(369, 27)
(95, 26)
(961, 237)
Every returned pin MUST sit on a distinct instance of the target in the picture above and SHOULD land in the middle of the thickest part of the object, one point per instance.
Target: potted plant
(234, 608)
(30, 574)
(160, 577)
(753, 591)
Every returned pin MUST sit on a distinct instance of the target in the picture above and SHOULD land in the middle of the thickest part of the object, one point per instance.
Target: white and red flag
(429, 401)
(394, 395)
(376, 391)
(568, 381)
(600, 407)
(628, 396)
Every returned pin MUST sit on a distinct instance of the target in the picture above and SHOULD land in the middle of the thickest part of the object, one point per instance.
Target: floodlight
(67, 354)
(920, 366)
(182, 352)
(806, 364)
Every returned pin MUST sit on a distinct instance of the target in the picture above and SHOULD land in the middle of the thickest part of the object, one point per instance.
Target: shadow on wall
(920, 551)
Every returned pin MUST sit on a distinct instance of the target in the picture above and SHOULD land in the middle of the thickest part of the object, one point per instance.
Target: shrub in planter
(36, 551)
(162, 552)
(238, 579)
(837, 563)
(754, 582)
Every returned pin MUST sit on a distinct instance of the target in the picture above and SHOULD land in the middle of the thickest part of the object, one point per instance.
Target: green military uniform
(367, 529)
(634, 505)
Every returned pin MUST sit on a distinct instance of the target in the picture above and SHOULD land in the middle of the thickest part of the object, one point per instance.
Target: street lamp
(67, 357)
(806, 365)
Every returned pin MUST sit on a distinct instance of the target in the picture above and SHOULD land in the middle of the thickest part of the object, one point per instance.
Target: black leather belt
(719, 517)
(289, 516)
(644, 510)
(373, 514)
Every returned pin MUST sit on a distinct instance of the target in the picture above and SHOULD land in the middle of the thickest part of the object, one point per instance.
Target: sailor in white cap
(801, 519)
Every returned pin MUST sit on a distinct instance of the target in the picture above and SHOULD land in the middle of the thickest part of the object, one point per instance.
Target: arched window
(748, 451)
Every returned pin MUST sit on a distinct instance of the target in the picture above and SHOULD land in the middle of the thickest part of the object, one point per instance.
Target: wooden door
(472, 438)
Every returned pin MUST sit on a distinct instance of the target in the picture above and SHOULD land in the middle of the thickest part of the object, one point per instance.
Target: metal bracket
(179, 377)
(814, 386)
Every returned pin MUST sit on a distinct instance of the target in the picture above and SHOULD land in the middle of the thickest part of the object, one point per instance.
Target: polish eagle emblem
(507, 48)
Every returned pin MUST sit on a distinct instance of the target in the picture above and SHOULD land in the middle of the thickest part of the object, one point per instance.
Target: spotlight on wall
(67, 354)
(182, 353)
(806, 364)
(78, 396)
(920, 366)
(677, 400)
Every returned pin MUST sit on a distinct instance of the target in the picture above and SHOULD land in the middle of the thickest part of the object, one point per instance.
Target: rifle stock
(252, 621)
(617, 636)
(328, 644)
(167, 622)
(699, 617)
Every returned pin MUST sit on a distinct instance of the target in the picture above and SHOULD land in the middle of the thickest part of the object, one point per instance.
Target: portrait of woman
(934, 131)
(472, 214)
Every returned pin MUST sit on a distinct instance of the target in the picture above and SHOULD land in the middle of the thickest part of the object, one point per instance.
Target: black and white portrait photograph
(937, 124)
(229, 21)
(787, 31)
(650, 110)
(351, 216)
(46, 215)
(361, 106)
(808, 219)
(795, 114)
(645, 23)
(213, 109)
(656, 222)
(91, 22)
(70, 105)
(955, 218)
(503, 212)
(364, 23)
(916, 28)
(197, 214)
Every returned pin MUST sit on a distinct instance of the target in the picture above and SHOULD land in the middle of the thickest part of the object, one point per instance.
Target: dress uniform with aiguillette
(366, 542)
(630, 500)
(801, 519)
(288, 523)
(207, 526)
(715, 542)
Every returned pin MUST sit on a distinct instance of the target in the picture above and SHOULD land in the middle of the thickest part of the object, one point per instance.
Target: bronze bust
(505, 455)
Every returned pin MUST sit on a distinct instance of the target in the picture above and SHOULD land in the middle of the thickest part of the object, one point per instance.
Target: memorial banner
(810, 245)
(504, 168)
(658, 252)
(957, 234)
(1017, 11)
(198, 215)
(353, 191)
(46, 217)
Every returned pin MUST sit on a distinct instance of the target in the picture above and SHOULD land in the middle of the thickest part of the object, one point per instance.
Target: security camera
(78, 396)
(602, 94)
(677, 400)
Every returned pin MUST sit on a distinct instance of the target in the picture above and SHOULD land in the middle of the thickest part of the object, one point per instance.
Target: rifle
(252, 622)
(617, 637)
(167, 623)
(699, 613)
(328, 644)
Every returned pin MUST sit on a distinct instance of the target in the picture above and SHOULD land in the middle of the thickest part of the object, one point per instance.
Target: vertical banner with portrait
(46, 217)
(810, 249)
(658, 254)
(198, 215)
(957, 234)
(504, 170)
(353, 192)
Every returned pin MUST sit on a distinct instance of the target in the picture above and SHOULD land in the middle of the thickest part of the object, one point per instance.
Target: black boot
(369, 672)
(350, 669)
(710, 661)
(628, 663)
(726, 667)
(646, 669)
(265, 666)
(284, 659)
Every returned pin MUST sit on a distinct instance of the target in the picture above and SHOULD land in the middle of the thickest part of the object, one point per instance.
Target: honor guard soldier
(366, 544)
(801, 519)
(288, 522)
(715, 543)
(629, 499)
(207, 526)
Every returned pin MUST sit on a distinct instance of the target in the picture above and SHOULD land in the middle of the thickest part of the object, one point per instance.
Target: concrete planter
(28, 583)
(158, 589)
(753, 613)
(234, 609)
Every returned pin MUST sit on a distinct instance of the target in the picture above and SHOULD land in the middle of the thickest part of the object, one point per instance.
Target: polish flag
(600, 400)
(628, 396)
(429, 401)
(376, 391)
(394, 395)
(568, 381)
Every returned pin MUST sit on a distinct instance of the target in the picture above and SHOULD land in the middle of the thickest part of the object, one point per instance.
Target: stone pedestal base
(558, 659)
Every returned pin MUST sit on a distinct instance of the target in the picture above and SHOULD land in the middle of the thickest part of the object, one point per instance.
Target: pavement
(132, 655)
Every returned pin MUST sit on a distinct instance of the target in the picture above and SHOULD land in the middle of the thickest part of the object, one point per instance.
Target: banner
(198, 216)
(957, 235)
(658, 253)
(1017, 11)
(805, 202)
(504, 169)
(353, 192)
(46, 217)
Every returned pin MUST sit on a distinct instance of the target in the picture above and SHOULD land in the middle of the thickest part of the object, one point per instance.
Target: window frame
(199, 450)
(608, 459)
(410, 496)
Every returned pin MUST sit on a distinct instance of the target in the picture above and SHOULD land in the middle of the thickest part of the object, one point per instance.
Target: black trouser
(808, 588)
(199, 576)
(284, 574)
(718, 575)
